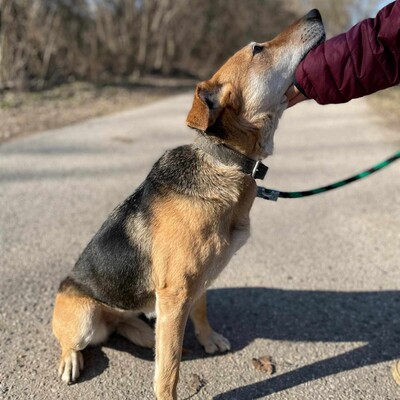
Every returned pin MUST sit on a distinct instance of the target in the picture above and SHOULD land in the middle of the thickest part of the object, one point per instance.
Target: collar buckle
(259, 170)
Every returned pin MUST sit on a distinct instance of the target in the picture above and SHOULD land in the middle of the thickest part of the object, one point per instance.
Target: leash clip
(267, 194)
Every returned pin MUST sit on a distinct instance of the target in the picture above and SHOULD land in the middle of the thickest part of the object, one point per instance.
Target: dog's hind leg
(211, 341)
(137, 331)
(77, 322)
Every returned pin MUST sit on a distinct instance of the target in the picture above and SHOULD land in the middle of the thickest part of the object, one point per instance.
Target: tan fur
(193, 239)
(208, 338)
(75, 321)
(79, 321)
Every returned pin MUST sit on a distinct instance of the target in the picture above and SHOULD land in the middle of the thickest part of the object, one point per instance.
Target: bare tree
(45, 42)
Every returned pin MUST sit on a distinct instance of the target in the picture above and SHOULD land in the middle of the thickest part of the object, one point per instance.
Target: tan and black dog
(163, 246)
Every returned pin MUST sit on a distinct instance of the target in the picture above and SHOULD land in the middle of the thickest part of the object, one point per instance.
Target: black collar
(228, 156)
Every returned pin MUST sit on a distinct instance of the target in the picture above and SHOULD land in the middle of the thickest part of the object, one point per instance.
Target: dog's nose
(313, 14)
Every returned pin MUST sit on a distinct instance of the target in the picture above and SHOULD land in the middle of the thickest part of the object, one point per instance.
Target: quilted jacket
(356, 63)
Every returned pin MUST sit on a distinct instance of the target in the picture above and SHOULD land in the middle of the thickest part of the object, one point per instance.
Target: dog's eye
(257, 49)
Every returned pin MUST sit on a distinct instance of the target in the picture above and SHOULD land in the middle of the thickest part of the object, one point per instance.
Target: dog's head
(242, 103)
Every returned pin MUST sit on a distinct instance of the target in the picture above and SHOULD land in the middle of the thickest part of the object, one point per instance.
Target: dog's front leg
(172, 307)
(208, 338)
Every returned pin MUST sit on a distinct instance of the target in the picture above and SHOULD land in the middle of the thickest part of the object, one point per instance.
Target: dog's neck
(238, 133)
(230, 157)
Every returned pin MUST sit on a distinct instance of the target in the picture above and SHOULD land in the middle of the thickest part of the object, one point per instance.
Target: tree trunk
(4, 10)
(143, 40)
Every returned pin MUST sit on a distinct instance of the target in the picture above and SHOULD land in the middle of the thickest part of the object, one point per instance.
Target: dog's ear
(209, 100)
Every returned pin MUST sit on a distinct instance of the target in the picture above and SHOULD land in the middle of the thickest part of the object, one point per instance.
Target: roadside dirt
(22, 113)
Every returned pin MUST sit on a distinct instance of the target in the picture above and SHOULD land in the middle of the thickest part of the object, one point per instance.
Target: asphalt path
(316, 287)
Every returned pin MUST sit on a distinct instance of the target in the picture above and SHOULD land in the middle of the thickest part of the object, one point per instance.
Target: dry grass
(23, 113)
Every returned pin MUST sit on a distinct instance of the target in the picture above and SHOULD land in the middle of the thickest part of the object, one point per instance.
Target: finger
(292, 92)
(297, 99)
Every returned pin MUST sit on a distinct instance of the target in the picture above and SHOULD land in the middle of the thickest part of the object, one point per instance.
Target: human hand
(294, 96)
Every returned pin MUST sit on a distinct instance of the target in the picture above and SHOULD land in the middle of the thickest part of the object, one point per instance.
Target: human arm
(354, 64)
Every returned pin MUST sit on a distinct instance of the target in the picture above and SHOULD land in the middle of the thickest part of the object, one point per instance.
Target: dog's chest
(234, 230)
(228, 244)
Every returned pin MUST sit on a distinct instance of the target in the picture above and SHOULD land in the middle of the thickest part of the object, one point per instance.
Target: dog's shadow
(246, 314)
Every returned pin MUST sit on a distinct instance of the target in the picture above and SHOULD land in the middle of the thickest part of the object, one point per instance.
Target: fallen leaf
(196, 383)
(264, 364)
(396, 372)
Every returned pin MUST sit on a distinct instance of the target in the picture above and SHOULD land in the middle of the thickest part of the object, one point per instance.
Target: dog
(165, 244)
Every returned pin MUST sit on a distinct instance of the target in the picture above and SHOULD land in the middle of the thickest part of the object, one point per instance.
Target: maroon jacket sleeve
(356, 63)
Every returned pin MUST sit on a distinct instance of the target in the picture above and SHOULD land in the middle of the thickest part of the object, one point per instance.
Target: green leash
(271, 194)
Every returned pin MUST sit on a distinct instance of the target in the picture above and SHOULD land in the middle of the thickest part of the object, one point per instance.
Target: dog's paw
(70, 366)
(214, 342)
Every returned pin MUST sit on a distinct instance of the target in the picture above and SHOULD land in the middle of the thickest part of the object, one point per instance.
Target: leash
(271, 194)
